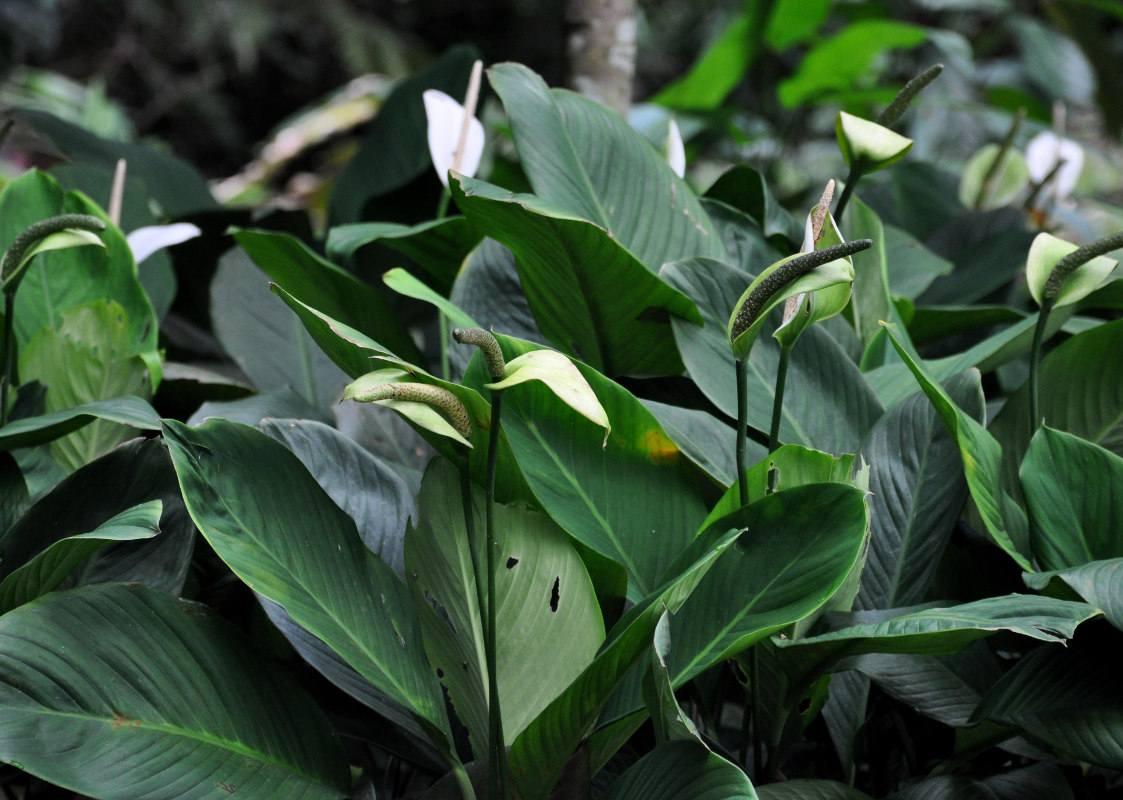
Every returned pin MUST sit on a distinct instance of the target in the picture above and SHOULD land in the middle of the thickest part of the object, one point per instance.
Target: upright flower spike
(456, 137)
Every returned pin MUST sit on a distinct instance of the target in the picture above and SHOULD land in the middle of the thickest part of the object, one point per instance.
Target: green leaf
(867, 146)
(801, 545)
(609, 498)
(539, 754)
(438, 246)
(682, 771)
(872, 301)
(719, 69)
(982, 461)
(408, 286)
(545, 606)
(1097, 582)
(90, 705)
(563, 379)
(744, 188)
(809, 789)
(31, 431)
(1075, 507)
(704, 439)
(59, 281)
(667, 717)
(917, 492)
(820, 375)
(1066, 697)
(280, 533)
(429, 413)
(911, 265)
(584, 158)
(52, 566)
(793, 22)
(1009, 179)
(63, 240)
(395, 149)
(589, 295)
(324, 286)
(174, 184)
(838, 63)
(87, 359)
(1044, 254)
(938, 631)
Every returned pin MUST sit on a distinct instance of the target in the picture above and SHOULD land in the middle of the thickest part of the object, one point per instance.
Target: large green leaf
(1098, 582)
(800, 546)
(31, 431)
(175, 185)
(682, 771)
(1067, 697)
(636, 500)
(539, 754)
(86, 359)
(982, 461)
(51, 567)
(938, 631)
(547, 618)
(871, 301)
(324, 286)
(827, 403)
(589, 294)
(133, 474)
(277, 530)
(118, 691)
(704, 439)
(917, 493)
(809, 789)
(1072, 493)
(584, 158)
(744, 188)
(59, 281)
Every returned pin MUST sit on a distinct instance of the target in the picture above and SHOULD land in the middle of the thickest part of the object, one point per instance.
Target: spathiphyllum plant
(592, 486)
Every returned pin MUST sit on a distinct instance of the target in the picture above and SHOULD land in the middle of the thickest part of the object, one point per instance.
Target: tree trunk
(602, 50)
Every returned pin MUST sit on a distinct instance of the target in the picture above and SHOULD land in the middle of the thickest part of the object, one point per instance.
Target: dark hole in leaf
(555, 595)
(464, 665)
(804, 705)
(511, 562)
(440, 672)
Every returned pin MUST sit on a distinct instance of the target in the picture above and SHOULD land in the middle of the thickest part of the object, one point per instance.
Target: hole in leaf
(555, 594)
(464, 665)
(511, 562)
(440, 672)
(804, 705)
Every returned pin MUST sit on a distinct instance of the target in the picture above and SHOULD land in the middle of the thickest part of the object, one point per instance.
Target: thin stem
(8, 355)
(465, 783)
(497, 769)
(1003, 149)
(1034, 364)
(778, 400)
(852, 179)
(742, 424)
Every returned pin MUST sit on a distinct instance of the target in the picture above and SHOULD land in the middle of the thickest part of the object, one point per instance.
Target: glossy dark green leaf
(912, 267)
(668, 719)
(586, 160)
(1098, 582)
(280, 403)
(283, 536)
(682, 771)
(918, 490)
(809, 789)
(32, 431)
(1066, 697)
(988, 249)
(589, 295)
(319, 283)
(1072, 494)
(744, 188)
(827, 403)
(188, 709)
(704, 439)
(637, 500)
(870, 301)
(488, 288)
(47, 570)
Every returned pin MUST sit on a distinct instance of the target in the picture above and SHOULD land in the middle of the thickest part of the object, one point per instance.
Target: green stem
(497, 768)
(1003, 149)
(778, 400)
(852, 179)
(467, 791)
(1034, 363)
(8, 355)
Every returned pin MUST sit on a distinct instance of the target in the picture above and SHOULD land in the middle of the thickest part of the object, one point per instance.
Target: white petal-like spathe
(676, 151)
(446, 117)
(146, 241)
(1042, 154)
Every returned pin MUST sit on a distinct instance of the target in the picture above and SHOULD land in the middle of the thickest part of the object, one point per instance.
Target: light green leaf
(1044, 254)
(421, 412)
(63, 240)
(407, 285)
(546, 610)
(52, 566)
(868, 146)
(438, 246)
(89, 704)
(563, 379)
(32, 431)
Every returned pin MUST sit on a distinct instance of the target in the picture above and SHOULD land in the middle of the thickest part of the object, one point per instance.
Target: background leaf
(682, 770)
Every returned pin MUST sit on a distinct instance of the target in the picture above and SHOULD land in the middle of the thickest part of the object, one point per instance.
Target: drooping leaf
(1098, 582)
(50, 568)
(408, 286)
(31, 431)
(545, 607)
(590, 295)
(667, 717)
(682, 771)
(283, 536)
(744, 188)
(1072, 492)
(90, 705)
(704, 439)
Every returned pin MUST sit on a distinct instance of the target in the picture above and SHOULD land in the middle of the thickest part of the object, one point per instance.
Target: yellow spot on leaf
(659, 449)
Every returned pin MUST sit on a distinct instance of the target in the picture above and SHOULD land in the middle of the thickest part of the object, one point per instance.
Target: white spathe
(446, 118)
(1044, 151)
(146, 241)
(676, 151)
